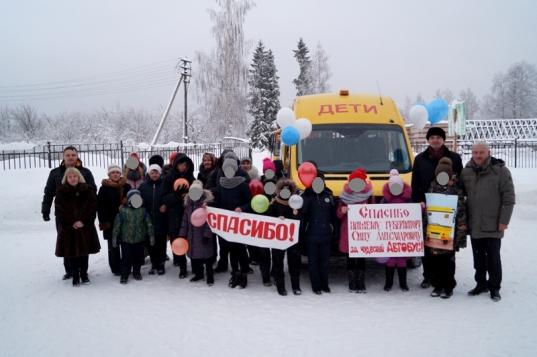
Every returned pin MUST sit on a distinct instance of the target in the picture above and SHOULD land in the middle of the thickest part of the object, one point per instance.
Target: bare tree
(471, 102)
(320, 70)
(28, 121)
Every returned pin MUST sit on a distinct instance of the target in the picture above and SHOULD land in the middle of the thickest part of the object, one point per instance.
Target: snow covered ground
(42, 315)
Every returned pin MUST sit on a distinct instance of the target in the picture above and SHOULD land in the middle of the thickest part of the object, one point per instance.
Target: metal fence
(515, 153)
(103, 155)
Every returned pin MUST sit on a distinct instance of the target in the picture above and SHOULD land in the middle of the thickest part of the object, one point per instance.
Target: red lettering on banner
(368, 212)
(291, 232)
(222, 222)
(341, 108)
(211, 220)
(405, 247)
(245, 231)
(233, 225)
(281, 232)
(269, 232)
(328, 111)
(257, 229)
(371, 108)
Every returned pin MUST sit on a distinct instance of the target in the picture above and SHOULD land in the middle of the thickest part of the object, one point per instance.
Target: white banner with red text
(253, 229)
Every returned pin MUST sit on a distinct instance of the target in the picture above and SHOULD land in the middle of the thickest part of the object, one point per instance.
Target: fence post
(49, 155)
(516, 146)
(121, 152)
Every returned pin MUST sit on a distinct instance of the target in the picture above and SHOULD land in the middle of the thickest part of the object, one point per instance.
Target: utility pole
(185, 67)
(186, 73)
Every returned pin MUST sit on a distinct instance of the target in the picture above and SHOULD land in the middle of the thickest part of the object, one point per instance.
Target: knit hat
(395, 183)
(156, 159)
(229, 165)
(231, 155)
(436, 131)
(155, 167)
(444, 165)
(358, 173)
(114, 168)
(245, 159)
(268, 165)
(196, 190)
(357, 180)
(135, 198)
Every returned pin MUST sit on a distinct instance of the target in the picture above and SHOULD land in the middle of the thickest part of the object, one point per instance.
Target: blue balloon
(438, 110)
(290, 136)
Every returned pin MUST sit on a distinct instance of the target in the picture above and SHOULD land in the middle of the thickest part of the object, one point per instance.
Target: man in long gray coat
(491, 198)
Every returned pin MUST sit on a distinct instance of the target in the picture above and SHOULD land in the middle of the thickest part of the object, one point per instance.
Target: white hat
(155, 167)
(114, 168)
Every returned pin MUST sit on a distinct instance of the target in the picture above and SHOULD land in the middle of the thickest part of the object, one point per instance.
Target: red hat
(135, 154)
(359, 173)
(268, 165)
(172, 157)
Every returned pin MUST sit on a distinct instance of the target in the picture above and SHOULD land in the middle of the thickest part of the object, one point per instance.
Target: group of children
(134, 221)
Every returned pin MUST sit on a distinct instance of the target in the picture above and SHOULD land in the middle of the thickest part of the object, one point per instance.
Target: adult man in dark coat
(70, 159)
(423, 173)
(490, 201)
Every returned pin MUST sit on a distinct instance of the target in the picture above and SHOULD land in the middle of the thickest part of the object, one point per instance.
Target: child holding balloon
(358, 190)
(396, 191)
(319, 219)
(282, 207)
(132, 229)
(196, 230)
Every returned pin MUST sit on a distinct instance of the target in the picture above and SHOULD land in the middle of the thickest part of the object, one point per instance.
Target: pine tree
(263, 96)
(304, 81)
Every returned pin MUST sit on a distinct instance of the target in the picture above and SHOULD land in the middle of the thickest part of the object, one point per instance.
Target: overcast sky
(127, 49)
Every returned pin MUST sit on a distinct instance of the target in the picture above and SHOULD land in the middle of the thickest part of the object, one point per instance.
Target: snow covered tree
(221, 78)
(28, 121)
(320, 71)
(263, 96)
(445, 94)
(513, 94)
(304, 81)
(471, 102)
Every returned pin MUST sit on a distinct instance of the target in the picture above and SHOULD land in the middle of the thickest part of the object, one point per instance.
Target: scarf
(354, 197)
(232, 182)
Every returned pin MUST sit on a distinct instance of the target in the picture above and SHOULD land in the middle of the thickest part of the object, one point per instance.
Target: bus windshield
(341, 148)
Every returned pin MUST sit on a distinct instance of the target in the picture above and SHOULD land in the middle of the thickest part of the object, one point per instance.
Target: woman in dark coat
(76, 208)
(112, 194)
(207, 167)
(173, 200)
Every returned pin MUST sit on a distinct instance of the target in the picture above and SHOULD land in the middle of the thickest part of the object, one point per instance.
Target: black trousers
(293, 263)
(239, 257)
(199, 264)
(319, 264)
(78, 266)
(114, 255)
(132, 257)
(443, 270)
(426, 262)
(355, 264)
(224, 251)
(487, 259)
(265, 262)
(157, 252)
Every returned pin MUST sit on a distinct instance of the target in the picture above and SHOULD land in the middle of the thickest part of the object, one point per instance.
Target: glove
(46, 217)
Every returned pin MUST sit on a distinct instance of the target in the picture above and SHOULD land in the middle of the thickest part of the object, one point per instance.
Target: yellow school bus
(349, 131)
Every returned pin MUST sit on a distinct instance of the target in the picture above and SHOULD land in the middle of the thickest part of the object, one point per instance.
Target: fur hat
(268, 165)
(155, 167)
(156, 159)
(434, 130)
(114, 168)
(444, 165)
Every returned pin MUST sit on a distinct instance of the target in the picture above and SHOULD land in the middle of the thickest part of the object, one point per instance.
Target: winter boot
(161, 270)
(390, 272)
(401, 272)
(353, 282)
(196, 277)
(295, 285)
(426, 283)
(360, 282)
(495, 295)
(210, 274)
(234, 280)
(243, 280)
(84, 278)
(446, 294)
(280, 287)
(76, 278)
(479, 289)
(153, 270)
(136, 274)
(266, 280)
(436, 292)
(67, 276)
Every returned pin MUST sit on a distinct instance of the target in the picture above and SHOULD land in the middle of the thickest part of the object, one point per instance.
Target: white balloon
(296, 202)
(418, 115)
(285, 117)
(304, 127)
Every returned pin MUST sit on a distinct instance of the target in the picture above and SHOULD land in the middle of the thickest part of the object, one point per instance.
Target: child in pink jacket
(361, 194)
(396, 191)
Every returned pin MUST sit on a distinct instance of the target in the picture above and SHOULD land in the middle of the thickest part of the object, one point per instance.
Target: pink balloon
(199, 217)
